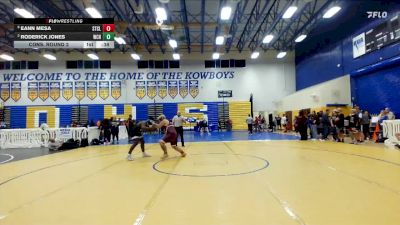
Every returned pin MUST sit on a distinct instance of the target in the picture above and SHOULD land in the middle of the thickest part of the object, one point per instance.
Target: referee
(178, 121)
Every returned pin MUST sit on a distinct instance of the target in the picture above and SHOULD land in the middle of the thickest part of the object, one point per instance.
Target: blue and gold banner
(44, 90)
(4, 91)
(104, 89)
(33, 91)
(152, 89)
(140, 89)
(67, 90)
(162, 89)
(91, 89)
(16, 91)
(183, 88)
(80, 90)
(173, 88)
(194, 88)
(116, 89)
(55, 89)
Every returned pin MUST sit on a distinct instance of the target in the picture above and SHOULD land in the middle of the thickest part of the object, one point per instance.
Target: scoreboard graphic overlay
(64, 33)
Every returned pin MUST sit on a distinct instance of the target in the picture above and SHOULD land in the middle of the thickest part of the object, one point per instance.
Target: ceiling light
(173, 43)
(255, 55)
(331, 12)
(93, 12)
(161, 13)
(219, 40)
(289, 12)
(226, 13)
(281, 55)
(120, 40)
(215, 55)
(7, 57)
(24, 13)
(135, 56)
(50, 57)
(176, 56)
(93, 56)
(268, 38)
(300, 38)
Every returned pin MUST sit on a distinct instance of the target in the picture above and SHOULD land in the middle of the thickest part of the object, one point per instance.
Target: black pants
(136, 141)
(303, 133)
(250, 128)
(366, 130)
(179, 130)
(115, 133)
(107, 135)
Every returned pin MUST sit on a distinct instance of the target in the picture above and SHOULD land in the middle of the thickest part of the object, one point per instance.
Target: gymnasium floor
(275, 182)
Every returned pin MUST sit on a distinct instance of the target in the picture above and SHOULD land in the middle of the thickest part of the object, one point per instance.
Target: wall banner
(183, 88)
(152, 89)
(194, 88)
(16, 91)
(91, 89)
(55, 89)
(104, 89)
(80, 90)
(116, 89)
(173, 88)
(140, 89)
(44, 90)
(68, 91)
(4, 91)
(33, 91)
(162, 88)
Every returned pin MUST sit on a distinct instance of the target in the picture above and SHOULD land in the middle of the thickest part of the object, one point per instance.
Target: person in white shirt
(249, 122)
(178, 121)
(284, 122)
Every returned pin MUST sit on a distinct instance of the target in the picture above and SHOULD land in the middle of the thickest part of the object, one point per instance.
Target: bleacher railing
(389, 129)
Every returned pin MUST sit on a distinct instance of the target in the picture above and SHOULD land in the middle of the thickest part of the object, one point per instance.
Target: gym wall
(372, 90)
(57, 96)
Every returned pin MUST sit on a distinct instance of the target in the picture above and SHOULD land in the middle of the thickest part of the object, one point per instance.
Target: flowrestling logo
(359, 45)
(377, 14)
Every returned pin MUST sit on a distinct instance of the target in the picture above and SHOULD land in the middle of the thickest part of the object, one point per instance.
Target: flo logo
(377, 14)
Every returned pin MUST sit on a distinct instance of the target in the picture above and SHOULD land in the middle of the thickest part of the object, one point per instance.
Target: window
(72, 64)
(19, 65)
(143, 64)
(105, 64)
(232, 63)
(88, 64)
(174, 64)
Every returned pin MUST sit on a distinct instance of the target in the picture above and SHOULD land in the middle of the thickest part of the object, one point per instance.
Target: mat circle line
(213, 175)
(7, 160)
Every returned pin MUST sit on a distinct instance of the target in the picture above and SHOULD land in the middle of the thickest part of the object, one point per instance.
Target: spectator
(340, 125)
(301, 125)
(278, 122)
(106, 129)
(389, 114)
(284, 123)
(249, 122)
(229, 124)
(354, 124)
(114, 129)
(326, 124)
(313, 125)
(365, 122)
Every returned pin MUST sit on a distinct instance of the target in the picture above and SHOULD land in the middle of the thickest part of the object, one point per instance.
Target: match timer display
(64, 33)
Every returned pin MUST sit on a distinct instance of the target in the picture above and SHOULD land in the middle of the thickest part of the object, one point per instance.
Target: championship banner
(162, 89)
(116, 89)
(140, 89)
(44, 90)
(79, 89)
(173, 88)
(67, 90)
(151, 89)
(16, 91)
(194, 88)
(4, 91)
(91, 89)
(104, 89)
(183, 88)
(33, 92)
(55, 89)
